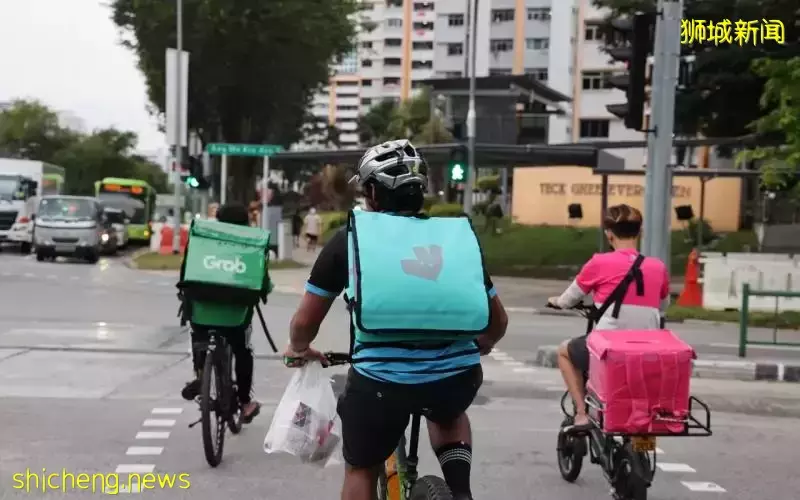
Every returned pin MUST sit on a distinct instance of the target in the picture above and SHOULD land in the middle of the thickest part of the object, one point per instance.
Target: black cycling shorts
(375, 414)
(579, 355)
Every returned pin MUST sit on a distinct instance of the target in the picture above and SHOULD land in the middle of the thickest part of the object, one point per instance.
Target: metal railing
(744, 317)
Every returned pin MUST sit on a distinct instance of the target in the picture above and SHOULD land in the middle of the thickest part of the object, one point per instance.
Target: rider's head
(393, 177)
(233, 213)
(622, 224)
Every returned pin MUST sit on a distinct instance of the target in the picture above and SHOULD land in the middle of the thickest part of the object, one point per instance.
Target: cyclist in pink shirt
(608, 276)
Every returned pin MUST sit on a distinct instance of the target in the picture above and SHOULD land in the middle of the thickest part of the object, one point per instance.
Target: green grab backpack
(224, 273)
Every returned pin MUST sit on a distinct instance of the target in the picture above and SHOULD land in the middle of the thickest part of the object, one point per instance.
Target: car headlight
(104, 237)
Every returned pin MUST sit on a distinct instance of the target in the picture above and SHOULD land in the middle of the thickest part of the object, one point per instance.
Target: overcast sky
(66, 54)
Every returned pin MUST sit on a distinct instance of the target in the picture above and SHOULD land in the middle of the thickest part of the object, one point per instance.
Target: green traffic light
(192, 182)
(457, 172)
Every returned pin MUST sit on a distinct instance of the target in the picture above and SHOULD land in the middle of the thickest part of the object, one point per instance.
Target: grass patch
(153, 261)
(557, 252)
(785, 320)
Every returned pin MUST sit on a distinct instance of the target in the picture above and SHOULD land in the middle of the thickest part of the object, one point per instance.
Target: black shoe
(191, 390)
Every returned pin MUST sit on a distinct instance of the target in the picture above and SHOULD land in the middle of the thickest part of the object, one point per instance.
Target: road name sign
(243, 149)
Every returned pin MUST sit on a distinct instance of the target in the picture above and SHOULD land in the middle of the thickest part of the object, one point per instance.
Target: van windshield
(67, 209)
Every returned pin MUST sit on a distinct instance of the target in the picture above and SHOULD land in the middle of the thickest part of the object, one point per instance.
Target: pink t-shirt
(604, 271)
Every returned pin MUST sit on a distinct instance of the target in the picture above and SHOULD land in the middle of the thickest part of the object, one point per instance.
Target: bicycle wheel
(570, 450)
(381, 493)
(232, 410)
(630, 485)
(211, 398)
(431, 488)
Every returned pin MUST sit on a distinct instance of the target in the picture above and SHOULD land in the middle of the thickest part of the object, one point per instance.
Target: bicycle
(224, 403)
(628, 461)
(398, 478)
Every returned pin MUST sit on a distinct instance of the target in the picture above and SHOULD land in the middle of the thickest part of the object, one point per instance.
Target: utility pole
(176, 237)
(658, 182)
(471, 169)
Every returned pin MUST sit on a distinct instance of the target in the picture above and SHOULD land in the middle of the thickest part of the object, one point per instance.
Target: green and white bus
(136, 198)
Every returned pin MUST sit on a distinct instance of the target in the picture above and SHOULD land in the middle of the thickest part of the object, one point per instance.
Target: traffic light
(457, 167)
(195, 178)
(637, 33)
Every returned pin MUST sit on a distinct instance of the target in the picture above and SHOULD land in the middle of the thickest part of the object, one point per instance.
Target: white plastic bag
(305, 423)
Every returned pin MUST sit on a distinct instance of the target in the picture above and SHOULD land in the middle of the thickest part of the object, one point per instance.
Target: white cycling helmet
(393, 164)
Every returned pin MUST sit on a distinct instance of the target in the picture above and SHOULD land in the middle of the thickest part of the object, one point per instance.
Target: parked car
(119, 223)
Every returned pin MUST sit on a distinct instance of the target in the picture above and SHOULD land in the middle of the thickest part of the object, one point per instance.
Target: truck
(22, 184)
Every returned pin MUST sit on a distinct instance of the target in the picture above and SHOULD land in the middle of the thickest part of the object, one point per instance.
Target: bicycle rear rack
(692, 426)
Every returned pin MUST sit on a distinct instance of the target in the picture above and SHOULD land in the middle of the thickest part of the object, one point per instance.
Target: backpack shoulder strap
(634, 274)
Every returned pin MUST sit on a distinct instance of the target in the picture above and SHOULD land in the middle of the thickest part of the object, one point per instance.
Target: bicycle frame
(401, 467)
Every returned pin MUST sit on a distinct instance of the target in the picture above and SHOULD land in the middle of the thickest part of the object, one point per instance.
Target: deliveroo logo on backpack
(235, 266)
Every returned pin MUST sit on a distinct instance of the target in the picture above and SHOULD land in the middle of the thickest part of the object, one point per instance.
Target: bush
(429, 202)
(489, 183)
(446, 210)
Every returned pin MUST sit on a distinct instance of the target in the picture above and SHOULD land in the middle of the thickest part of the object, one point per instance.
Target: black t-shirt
(331, 271)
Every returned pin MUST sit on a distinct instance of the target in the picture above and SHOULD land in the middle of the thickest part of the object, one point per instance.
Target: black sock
(456, 462)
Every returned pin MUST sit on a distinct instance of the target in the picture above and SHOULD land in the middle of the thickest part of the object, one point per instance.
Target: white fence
(724, 275)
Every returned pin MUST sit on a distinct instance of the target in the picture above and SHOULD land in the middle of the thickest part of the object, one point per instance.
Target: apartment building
(559, 42)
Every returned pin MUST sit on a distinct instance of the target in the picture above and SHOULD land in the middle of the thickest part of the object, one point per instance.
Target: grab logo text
(235, 266)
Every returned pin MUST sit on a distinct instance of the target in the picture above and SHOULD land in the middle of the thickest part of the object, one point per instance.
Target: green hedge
(554, 251)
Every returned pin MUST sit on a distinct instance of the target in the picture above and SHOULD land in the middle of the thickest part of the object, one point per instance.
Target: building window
(347, 83)
(394, 3)
(422, 45)
(366, 45)
(596, 80)
(423, 26)
(366, 101)
(593, 33)
(421, 64)
(539, 74)
(395, 23)
(539, 14)
(417, 84)
(501, 45)
(366, 82)
(455, 20)
(391, 80)
(346, 108)
(455, 49)
(502, 15)
(423, 6)
(594, 129)
(393, 42)
(453, 74)
(537, 43)
(366, 63)
(499, 71)
(392, 61)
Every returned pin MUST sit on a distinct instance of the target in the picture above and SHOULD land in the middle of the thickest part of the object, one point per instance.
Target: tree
(29, 129)
(373, 127)
(723, 72)
(254, 65)
(781, 100)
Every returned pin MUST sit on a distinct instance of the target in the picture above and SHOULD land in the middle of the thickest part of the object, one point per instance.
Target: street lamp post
(176, 236)
(471, 170)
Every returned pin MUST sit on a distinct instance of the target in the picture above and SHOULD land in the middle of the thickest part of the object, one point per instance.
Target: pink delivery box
(641, 378)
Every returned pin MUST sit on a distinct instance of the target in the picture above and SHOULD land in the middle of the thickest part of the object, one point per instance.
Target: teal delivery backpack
(415, 278)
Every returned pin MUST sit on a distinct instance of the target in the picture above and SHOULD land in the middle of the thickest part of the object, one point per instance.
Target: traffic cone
(692, 294)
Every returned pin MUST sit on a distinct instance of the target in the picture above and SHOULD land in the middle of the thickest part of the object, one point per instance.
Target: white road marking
(527, 369)
(52, 277)
(704, 487)
(659, 451)
(152, 435)
(155, 422)
(167, 411)
(144, 450)
(668, 467)
(74, 278)
(513, 363)
(135, 468)
(29, 275)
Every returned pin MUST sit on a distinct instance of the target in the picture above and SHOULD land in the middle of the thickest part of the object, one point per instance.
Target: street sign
(243, 149)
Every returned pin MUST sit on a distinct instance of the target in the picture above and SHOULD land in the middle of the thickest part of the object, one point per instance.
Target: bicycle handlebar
(584, 309)
(337, 358)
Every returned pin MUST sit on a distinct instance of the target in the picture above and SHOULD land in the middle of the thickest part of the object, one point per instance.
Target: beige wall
(541, 196)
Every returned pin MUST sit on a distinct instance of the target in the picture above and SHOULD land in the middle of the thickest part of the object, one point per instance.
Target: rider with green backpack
(223, 276)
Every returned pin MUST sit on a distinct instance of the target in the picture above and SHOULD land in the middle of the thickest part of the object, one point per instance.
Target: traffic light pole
(176, 236)
(658, 180)
(471, 169)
